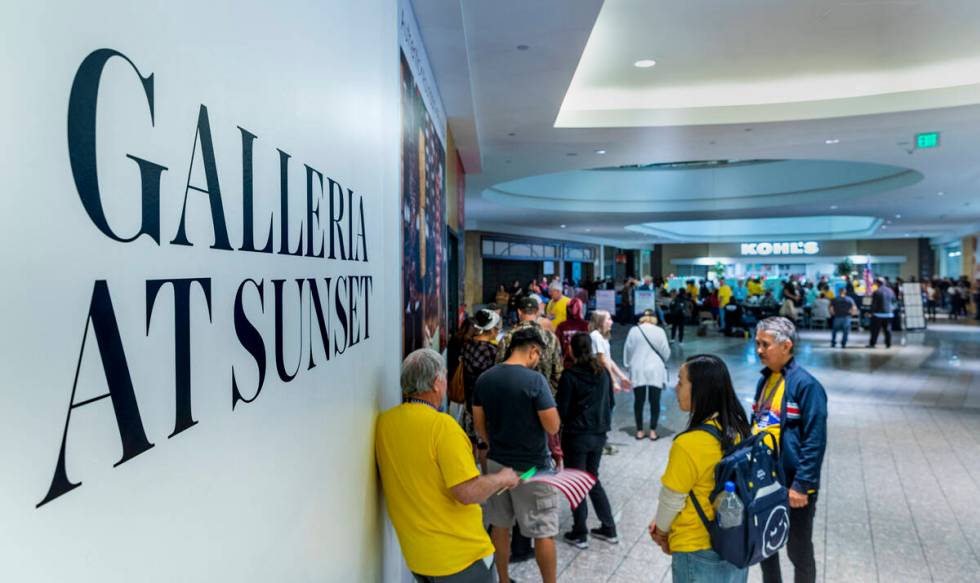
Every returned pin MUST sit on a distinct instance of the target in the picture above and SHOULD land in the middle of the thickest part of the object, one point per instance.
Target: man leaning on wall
(431, 483)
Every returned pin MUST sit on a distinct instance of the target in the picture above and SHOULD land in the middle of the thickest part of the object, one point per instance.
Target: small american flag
(574, 484)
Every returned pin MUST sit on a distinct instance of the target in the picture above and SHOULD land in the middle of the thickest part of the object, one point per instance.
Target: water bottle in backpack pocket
(751, 504)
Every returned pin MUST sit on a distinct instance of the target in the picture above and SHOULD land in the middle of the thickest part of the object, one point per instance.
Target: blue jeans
(841, 324)
(705, 567)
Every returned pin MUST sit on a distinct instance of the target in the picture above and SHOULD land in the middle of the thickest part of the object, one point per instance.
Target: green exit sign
(927, 140)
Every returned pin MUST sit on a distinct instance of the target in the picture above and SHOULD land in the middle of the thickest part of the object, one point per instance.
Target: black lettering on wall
(285, 375)
(184, 418)
(311, 211)
(342, 284)
(362, 232)
(322, 322)
(213, 190)
(248, 212)
(336, 215)
(82, 115)
(367, 284)
(284, 208)
(250, 339)
(134, 442)
(353, 282)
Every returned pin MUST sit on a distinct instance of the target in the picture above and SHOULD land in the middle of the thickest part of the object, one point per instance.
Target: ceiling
(541, 94)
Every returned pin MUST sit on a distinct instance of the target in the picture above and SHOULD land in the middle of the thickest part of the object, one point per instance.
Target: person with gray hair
(792, 405)
(430, 481)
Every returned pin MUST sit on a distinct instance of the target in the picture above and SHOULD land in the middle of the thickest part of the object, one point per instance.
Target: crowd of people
(539, 396)
(535, 379)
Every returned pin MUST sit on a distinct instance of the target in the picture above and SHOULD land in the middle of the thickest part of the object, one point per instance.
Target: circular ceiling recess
(719, 185)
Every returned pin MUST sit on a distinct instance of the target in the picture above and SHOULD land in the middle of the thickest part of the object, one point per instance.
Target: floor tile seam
(956, 518)
(867, 508)
(908, 506)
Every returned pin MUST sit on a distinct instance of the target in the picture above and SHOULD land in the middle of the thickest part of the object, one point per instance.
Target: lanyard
(763, 409)
(422, 402)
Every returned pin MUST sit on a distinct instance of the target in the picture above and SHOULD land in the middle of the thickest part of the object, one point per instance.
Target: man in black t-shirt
(513, 411)
(842, 308)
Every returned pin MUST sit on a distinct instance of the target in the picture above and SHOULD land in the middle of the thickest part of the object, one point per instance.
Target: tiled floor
(900, 499)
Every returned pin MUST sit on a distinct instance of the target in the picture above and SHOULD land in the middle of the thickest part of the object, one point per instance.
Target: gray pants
(478, 572)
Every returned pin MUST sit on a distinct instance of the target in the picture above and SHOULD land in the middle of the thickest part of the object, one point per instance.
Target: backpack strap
(707, 428)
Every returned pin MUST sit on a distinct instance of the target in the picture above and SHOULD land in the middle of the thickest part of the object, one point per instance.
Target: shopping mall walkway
(900, 499)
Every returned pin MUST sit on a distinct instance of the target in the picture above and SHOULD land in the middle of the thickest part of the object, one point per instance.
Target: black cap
(528, 304)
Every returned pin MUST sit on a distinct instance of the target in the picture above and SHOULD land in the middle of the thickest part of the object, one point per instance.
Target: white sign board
(605, 299)
(644, 300)
(200, 238)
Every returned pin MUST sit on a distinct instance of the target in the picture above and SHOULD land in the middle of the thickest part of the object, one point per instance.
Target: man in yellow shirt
(431, 485)
(557, 308)
(724, 296)
(755, 287)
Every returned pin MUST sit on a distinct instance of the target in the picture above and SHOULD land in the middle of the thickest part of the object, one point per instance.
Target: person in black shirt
(585, 397)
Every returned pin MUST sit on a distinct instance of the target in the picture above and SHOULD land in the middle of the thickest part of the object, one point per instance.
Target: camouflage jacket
(550, 364)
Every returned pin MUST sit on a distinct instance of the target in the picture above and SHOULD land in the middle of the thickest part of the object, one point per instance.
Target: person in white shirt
(645, 355)
(821, 309)
(600, 327)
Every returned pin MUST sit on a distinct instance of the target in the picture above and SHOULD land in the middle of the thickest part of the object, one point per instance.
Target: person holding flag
(431, 484)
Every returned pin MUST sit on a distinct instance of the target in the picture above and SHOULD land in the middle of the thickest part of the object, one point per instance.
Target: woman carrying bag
(645, 354)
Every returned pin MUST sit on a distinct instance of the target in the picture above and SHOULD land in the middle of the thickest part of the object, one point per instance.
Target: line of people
(434, 482)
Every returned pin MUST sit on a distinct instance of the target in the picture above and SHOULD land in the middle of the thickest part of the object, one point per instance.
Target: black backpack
(753, 466)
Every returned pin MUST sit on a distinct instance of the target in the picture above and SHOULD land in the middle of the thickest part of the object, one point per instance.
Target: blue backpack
(753, 466)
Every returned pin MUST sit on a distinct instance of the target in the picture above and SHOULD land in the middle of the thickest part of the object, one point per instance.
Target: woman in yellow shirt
(704, 388)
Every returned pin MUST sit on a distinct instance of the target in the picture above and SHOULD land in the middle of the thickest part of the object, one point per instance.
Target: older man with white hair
(430, 480)
(792, 405)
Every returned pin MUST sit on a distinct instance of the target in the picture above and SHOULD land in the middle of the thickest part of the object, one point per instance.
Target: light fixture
(588, 230)
(834, 207)
(940, 193)
(884, 226)
(562, 226)
(600, 152)
(644, 63)
(898, 216)
(907, 235)
(832, 141)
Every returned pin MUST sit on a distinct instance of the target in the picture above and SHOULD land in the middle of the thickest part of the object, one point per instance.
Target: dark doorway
(579, 271)
(452, 279)
(505, 271)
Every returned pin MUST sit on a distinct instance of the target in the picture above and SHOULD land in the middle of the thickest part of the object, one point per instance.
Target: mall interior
(195, 192)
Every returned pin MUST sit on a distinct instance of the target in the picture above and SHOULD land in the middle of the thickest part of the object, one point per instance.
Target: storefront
(779, 259)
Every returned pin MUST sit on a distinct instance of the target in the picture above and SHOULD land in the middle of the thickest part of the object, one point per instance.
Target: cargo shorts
(533, 505)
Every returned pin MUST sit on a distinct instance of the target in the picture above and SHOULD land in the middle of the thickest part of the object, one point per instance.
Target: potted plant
(845, 268)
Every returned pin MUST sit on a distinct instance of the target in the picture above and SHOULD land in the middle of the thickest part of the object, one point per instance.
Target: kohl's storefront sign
(767, 248)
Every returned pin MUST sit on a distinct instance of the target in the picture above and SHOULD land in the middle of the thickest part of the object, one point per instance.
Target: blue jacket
(803, 427)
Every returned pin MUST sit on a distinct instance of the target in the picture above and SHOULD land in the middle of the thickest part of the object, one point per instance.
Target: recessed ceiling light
(562, 226)
(884, 226)
(644, 63)
(834, 207)
(833, 141)
(907, 235)
(600, 152)
(588, 230)
(940, 193)
(522, 47)
(889, 222)
(898, 216)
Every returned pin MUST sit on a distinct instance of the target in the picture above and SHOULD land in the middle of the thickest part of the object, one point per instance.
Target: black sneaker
(580, 541)
(606, 533)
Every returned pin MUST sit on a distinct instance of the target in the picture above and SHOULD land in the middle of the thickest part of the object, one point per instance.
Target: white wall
(279, 489)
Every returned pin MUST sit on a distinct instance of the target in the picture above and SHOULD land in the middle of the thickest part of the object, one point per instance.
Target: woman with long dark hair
(704, 388)
(585, 398)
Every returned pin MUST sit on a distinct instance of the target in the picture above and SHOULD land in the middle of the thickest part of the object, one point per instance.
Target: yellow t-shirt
(768, 412)
(421, 454)
(692, 290)
(755, 288)
(557, 310)
(691, 466)
(724, 295)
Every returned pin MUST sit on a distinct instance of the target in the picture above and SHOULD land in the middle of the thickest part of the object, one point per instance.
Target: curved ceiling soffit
(841, 229)
(611, 204)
